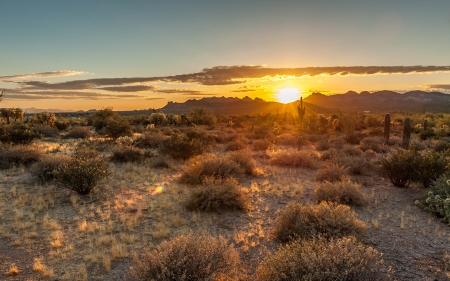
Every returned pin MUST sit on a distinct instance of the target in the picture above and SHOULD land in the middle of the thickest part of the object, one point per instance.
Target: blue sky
(117, 39)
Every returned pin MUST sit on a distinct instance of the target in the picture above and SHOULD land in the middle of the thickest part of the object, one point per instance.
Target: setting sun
(288, 95)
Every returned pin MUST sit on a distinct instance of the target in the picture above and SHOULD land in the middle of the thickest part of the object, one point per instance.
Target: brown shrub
(321, 259)
(189, 257)
(374, 143)
(46, 130)
(44, 170)
(296, 158)
(217, 195)
(210, 166)
(331, 172)
(348, 193)
(261, 144)
(306, 221)
(357, 165)
(351, 150)
(245, 161)
(126, 154)
(19, 155)
(151, 140)
(235, 145)
(79, 133)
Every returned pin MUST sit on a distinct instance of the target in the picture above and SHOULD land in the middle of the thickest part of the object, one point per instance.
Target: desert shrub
(151, 140)
(235, 145)
(101, 117)
(126, 154)
(351, 150)
(331, 172)
(160, 162)
(200, 136)
(245, 161)
(18, 134)
(62, 124)
(374, 143)
(118, 127)
(357, 165)
(79, 133)
(329, 154)
(428, 134)
(46, 130)
(438, 199)
(376, 132)
(217, 195)
(189, 257)
(348, 193)
(296, 158)
(19, 155)
(230, 136)
(321, 259)
(337, 143)
(398, 167)
(323, 145)
(45, 169)
(210, 166)
(261, 144)
(86, 152)
(289, 139)
(306, 221)
(82, 174)
(353, 138)
(180, 146)
(441, 146)
(203, 116)
(428, 166)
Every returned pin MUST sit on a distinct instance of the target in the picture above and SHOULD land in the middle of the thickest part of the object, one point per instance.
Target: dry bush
(320, 259)
(306, 221)
(351, 150)
(348, 193)
(82, 174)
(217, 195)
(331, 172)
(210, 166)
(181, 146)
(79, 133)
(245, 161)
(152, 140)
(19, 155)
(374, 143)
(160, 162)
(353, 138)
(329, 154)
(189, 257)
(86, 152)
(124, 154)
(44, 170)
(289, 139)
(323, 145)
(357, 165)
(261, 144)
(235, 145)
(46, 130)
(296, 158)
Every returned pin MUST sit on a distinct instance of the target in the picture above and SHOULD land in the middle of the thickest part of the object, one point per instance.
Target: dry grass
(79, 133)
(348, 193)
(295, 158)
(262, 144)
(320, 259)
(306, 221)
(19, 155)
(44, 170)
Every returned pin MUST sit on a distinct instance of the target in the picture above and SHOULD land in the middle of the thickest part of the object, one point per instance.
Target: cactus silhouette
(387, 127)
(425, 124)
(301, 111)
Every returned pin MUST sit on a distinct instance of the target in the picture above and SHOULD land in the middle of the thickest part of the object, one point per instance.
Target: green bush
(19, 155)
(180, 146)
(46, 130)
(45, 169)
(441, 146)
(188, 258)
(428, 166)
(306, 221)
(348, 193)
(18, 134)
(398, 167)
(62, 124)
(82, 174)
(438, 199)
(217, 195)
(428, 134)
(118, 127)
(323, 260)
(100, 118)
(203, 116)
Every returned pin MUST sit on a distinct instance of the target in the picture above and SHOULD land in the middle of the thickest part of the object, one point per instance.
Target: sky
(92, 54)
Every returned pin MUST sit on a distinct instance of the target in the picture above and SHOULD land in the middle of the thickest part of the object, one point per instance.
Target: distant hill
(237, 106)
(383, 101)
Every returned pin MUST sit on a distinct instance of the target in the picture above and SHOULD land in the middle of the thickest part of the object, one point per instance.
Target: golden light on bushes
(288, 95)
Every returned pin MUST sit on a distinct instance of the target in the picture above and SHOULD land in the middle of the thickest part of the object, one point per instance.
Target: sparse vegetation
(348, 193)
(331, 172)
(297, 158)
(19, 155)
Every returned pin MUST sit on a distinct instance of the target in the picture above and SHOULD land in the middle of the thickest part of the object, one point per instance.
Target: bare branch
(2, 94)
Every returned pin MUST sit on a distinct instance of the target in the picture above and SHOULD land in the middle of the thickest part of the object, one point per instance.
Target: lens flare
(158, 190)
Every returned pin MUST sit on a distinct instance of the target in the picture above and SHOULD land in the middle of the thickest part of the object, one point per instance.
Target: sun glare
(288, 95)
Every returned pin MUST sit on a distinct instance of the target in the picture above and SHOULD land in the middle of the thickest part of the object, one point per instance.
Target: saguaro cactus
(387, 127)
(301, 111)
(425, 124)
(406, 135)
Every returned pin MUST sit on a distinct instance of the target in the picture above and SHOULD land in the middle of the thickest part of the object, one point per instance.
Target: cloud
(245, 89)
(439, 86)
(178, 91)
(137, 88)
(67, 95)
(229, 75)
(41, 75)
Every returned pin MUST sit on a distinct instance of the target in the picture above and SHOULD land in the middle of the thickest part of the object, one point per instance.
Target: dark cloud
(69, 95)
(228, 75)
(154, 98)
(136, 88)
(439, 86)
(178, 91)
(41, 75)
